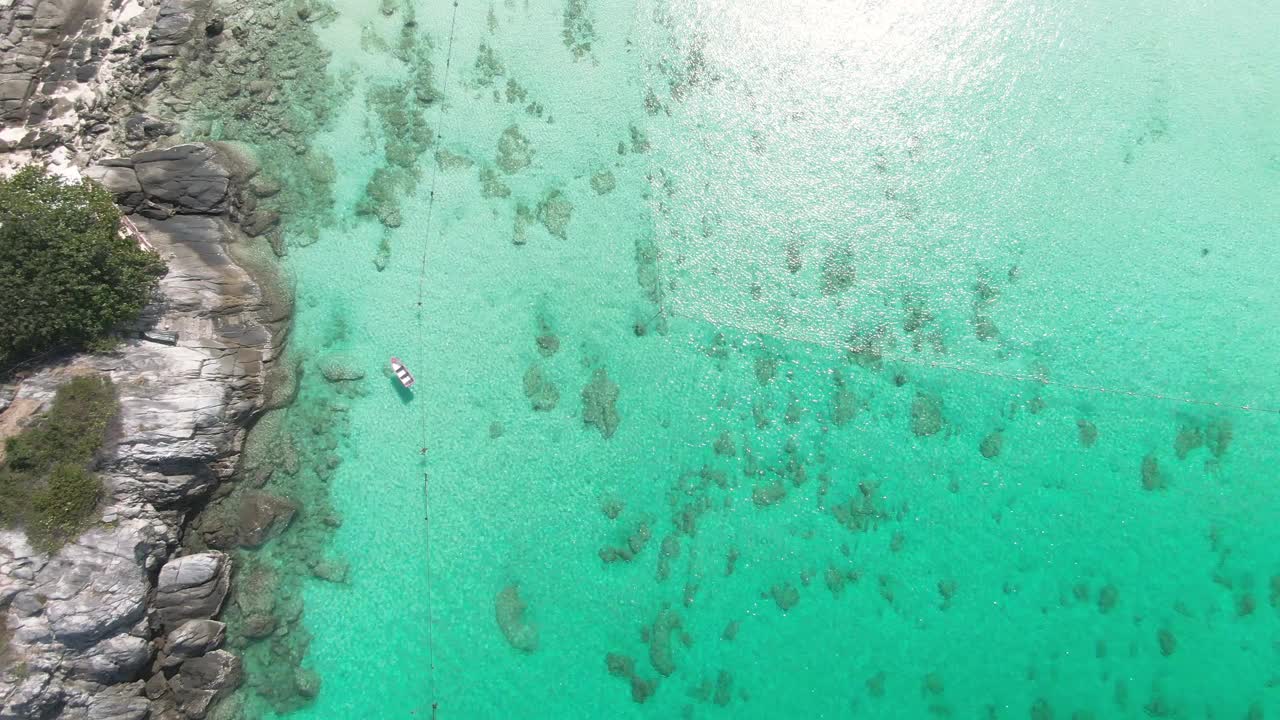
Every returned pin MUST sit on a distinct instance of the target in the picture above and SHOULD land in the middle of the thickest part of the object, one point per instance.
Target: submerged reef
(600, 404)
(510, 609)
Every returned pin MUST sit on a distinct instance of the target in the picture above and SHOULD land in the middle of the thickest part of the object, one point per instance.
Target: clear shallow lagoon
(900, 301)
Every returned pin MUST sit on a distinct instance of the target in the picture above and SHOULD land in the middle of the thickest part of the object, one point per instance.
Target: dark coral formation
(543, 394)
(926, 415)
(510, 610)
(600, 404)
(578, 32)
(661, 646)
(515, 152)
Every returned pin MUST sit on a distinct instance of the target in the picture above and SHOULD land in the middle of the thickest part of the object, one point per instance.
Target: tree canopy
(67, 277)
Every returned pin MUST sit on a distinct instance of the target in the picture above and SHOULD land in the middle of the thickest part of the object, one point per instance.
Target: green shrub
(71, 432)
(67, 277)
(65, 505)
(46, 483)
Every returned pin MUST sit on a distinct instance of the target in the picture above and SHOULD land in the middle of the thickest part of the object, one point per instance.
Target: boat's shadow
(404, 393)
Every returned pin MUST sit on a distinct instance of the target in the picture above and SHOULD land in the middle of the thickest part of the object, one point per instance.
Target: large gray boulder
(191, 178)
(205, 679)
(124, 702)
(192, 587)
(192, 639)
(119, 658)
(172, 28)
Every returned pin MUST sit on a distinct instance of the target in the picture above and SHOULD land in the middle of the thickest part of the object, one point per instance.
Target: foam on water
(777, 228)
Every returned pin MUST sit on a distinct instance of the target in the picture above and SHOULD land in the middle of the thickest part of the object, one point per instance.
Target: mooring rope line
(421, 344)
(1020, 377)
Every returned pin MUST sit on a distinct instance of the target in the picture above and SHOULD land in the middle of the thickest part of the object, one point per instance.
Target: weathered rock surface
(204, 679)
(192, 639)
(192, 587)
(81, 620)
(85, 624)
(190, 178)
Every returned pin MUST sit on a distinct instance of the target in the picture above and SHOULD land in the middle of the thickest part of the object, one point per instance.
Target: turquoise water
(904, 304)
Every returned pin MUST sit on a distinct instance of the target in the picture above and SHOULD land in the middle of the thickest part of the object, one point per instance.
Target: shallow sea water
(851, 250)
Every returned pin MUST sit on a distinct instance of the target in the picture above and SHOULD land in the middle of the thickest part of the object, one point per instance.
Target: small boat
(402, 373)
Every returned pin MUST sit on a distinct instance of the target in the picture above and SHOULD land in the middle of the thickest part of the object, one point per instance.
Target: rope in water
(422, 278)
(1039, 380)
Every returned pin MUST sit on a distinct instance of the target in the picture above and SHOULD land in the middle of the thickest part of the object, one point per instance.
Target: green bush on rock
(66, 275)
(46, 482)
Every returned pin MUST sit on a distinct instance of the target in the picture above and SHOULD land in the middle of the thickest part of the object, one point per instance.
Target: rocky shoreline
(120, 624)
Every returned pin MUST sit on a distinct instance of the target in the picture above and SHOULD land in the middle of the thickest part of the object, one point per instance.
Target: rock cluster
(87, 625)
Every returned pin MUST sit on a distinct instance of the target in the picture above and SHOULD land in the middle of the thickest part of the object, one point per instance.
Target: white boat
(402, 373)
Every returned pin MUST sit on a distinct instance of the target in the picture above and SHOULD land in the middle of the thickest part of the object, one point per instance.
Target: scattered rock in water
(838, 272)
(660, 646)
(766, 369)
(611, 508)
(620, 665)
(1088, 433)
(382, 195)
(1189, 438)
(1152, 479)
(771, 494)
(603, 182)
(510, 612)
(860, 514)
(835, 581)
(875, 685)
(785, 595)
(554, 212)
(543, 394)
(524, 218)
(635, 544)
(947, 589)
(496, 430)
(991, 445)
(984, 328)
(926, 415)
(448, 160)
(1217, 437)
(548, 344)
(383, 257)
(1168, 643)
(795, 411)
(724, 445)
(491, 185)
(845, 405)
(488, 68)
(1108, 596)
(724, 688)
(333, 571)
(306, 682)
(731, 630)
(263, 516)
(515, 153)
(599, 404)
(340, 368)
(641, 689)
(578, 32)
(639, 141)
